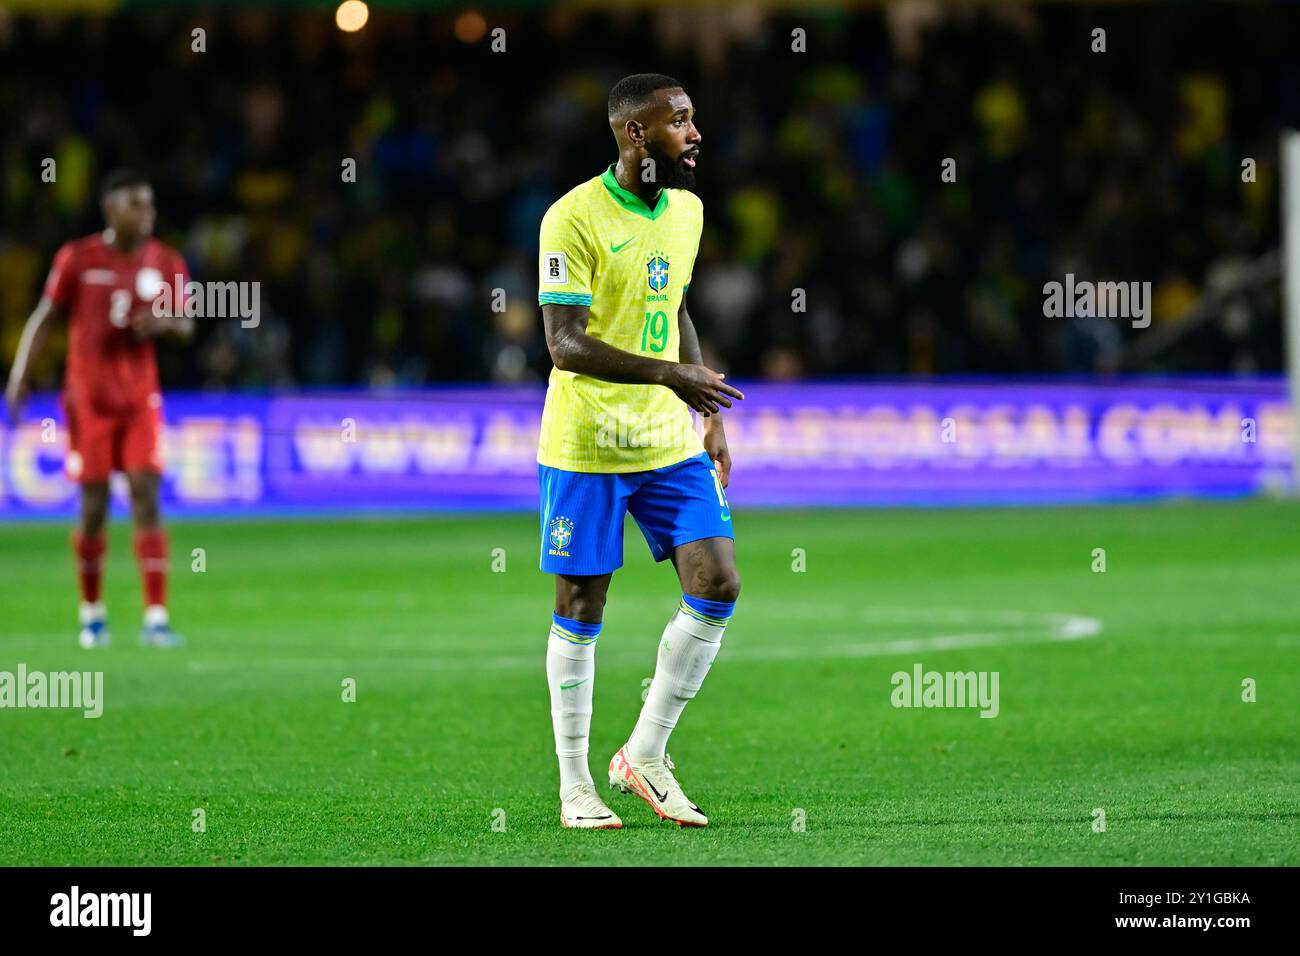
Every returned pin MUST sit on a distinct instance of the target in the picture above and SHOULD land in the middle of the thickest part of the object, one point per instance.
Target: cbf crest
(656, 268)
(561, 535)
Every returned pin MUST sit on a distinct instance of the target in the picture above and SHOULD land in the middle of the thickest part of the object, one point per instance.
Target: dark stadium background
(820, 171)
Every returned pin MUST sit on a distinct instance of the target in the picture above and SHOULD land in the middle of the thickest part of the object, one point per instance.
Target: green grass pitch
(450, 731)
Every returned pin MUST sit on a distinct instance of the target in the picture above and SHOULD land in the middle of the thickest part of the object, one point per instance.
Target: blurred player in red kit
(104, 286)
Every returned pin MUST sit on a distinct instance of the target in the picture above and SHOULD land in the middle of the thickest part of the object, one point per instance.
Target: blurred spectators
(820, 171)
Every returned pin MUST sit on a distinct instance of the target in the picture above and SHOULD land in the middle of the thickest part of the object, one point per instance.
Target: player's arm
(148, 325)
(573, 350)
(55, 303)
(36, 333)
(715, 438)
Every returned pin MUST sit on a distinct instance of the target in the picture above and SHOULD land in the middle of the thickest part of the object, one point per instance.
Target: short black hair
(633, 91)
(121, 179)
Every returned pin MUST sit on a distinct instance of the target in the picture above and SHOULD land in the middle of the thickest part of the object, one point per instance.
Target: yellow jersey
(603, 247)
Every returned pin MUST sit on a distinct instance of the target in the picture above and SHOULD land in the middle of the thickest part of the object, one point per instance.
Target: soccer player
(104, 286)
(617, 437)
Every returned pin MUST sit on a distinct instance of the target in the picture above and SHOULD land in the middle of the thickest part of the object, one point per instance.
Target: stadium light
(470, 27)
(351, 15)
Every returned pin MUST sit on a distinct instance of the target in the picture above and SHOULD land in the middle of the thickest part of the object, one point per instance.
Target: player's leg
(571, 677)
(582, 545)
(89, 463)
(582, 597)
(690, 642)
(151, 556)
(571, 669)
(710, 583)
(90, 543)
(706, 570)
(684, 516)
(142, 461)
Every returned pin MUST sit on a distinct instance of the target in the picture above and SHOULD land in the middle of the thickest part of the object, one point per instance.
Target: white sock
(689, 645)
(570, 673)
(155, 615)
(92, 611)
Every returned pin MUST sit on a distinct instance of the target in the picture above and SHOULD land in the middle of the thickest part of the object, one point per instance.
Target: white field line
(1022, 627)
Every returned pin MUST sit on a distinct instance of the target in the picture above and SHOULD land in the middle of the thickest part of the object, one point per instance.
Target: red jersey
(100, 287)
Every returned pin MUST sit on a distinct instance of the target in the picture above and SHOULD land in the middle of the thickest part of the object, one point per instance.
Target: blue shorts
(582, 513)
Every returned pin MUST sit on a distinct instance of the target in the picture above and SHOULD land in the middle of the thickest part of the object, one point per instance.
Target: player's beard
(669, 173)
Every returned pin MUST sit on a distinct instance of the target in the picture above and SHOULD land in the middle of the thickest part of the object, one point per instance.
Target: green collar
(631, 201)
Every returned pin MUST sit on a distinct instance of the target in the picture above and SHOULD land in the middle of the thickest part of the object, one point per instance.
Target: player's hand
(702, 388)
(146, 325)
(715, 443)
(15, 398)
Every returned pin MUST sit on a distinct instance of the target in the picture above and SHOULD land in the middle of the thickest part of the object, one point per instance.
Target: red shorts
(101, 442)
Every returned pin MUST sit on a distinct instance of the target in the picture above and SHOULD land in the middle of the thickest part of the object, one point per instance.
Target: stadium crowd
(820, 170)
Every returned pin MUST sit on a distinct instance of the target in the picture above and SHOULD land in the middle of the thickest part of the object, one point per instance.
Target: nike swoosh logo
(605, 817)
(726, 516)
(614, 248)
(573, 685)
(661, 797)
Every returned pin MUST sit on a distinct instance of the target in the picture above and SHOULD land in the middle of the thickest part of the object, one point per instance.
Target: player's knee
(94, 508)
(144, 504)
(723, 585)
(145, 510)
(92, 524)
(588, 608)
(581, 604)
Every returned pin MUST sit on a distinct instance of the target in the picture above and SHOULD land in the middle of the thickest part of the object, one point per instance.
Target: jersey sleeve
(62, 280)
(566, 262)
(699, 229)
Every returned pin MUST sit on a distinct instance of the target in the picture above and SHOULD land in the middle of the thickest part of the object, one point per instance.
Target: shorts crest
(561, 532)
